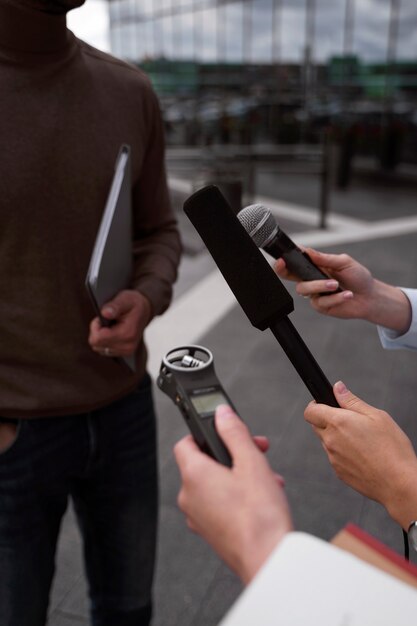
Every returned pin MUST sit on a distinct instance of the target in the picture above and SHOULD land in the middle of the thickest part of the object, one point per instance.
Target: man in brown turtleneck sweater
(75, 422)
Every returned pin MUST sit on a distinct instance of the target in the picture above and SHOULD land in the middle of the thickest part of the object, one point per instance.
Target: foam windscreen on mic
(255, 285)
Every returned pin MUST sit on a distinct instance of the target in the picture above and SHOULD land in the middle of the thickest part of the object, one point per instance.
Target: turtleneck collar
(27, 30)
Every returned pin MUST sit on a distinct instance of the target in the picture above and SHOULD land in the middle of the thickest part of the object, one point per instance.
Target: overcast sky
(90, 23)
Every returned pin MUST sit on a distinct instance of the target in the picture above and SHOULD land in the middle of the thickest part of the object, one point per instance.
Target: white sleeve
(391, 340)
(308, 581)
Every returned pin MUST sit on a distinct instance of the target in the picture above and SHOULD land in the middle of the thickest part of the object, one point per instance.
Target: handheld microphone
(254, 283)
(260, 224)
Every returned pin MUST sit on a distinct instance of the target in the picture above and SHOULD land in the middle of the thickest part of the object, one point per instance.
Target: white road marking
(307, 216)
(368, 231)
(180, 185)
(188, 318)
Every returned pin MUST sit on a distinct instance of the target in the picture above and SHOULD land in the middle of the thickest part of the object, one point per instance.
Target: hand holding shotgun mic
(260, 224)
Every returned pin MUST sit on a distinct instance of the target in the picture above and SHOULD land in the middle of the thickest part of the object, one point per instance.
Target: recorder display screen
(207, 402)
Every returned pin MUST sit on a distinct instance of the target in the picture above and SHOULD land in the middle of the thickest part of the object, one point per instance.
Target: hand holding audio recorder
(188, 377)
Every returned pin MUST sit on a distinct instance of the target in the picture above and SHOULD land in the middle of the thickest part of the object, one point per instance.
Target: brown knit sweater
(65, 109)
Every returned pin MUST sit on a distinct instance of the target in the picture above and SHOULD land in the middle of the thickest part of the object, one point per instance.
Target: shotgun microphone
(255, 285)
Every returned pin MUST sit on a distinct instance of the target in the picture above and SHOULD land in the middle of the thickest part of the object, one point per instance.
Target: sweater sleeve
(392, 340)
(156, 244)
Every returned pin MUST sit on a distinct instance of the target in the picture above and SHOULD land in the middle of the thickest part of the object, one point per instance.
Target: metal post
(247, 30)
(195, 33)
(389, 135)
(349, 27)
(251, 175)
(309, 55)
(220, 30)
(171, 12)
(394, 20)
(275, 113)
(347, 51)
(324, 181)
(276, 31)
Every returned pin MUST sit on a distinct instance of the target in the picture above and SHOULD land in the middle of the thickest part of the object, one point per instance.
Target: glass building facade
(292, 64)
(262, 31)
(197, 30)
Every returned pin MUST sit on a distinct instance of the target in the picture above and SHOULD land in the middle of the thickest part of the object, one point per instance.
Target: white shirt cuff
(391, 340)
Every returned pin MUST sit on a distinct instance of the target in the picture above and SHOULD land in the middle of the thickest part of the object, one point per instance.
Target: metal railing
(231, 164)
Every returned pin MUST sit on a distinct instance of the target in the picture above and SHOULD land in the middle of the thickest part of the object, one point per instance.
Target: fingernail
(109, 311)
(332, 284)
(224, 412)
(347, 295)
(280, 480)
(341, 387)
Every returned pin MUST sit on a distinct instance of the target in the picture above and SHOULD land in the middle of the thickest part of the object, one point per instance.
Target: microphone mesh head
(258, 222)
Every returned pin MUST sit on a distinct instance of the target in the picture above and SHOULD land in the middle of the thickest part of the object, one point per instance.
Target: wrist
(402, 501)
(257, 551)
(147, 307)
(389, 307)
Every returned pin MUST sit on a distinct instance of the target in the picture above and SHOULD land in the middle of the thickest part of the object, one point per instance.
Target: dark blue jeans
(106, 462)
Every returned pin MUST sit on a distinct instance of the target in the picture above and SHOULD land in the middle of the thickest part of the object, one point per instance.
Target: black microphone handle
(303, 361)
(297, 262)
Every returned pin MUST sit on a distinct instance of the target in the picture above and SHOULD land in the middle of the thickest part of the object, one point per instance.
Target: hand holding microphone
(260, 224)
(319, 275)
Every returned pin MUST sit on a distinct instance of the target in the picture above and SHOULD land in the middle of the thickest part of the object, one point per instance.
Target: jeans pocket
(9, 434)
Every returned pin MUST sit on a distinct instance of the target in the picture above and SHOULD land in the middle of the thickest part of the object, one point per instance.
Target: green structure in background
(172, 77)
(374, 80)
(190, 78)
